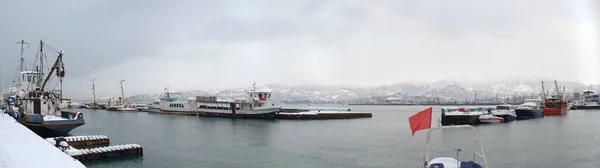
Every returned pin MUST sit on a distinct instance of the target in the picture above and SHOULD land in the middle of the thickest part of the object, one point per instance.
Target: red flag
(420, 121)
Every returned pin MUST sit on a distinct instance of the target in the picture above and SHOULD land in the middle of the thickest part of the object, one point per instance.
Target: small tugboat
(531, 108)
(556, 104)
(422, 120)
(461, 116)
(507, 112)
(39, 109)
(590, 101)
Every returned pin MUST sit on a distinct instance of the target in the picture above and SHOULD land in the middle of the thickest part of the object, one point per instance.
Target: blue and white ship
(41, 109)
(506, 111)
(531, 108)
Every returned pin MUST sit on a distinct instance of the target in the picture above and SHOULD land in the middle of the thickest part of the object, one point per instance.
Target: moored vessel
(119, 103)
(39, 109)
(256, 105)
(455, 162)
(506, 112)
(422, 120)
(461, 116)
(590, 100)
(556, 104)
(531, 108)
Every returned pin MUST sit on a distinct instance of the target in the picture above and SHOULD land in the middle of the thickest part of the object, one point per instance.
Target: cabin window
(23, 77)
(269, 95)
(29, 79)
(250, 95)
(260, 95)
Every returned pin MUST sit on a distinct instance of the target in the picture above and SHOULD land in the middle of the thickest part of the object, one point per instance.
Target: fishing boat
(506, 112)
(119, 104)
(455, 162)
(461, 116)
(556, 104)
(590, 101)
(40, 109)
(531, 108)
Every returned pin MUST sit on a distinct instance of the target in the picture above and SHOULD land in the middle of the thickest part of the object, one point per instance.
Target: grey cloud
(331, 42)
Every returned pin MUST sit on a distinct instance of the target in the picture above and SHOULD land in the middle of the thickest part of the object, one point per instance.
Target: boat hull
(555, 111)
(460, 120)
(508, 118)
(529, 114)
(54, 128)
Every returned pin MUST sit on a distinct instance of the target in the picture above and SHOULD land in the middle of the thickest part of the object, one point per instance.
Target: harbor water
(383, 141)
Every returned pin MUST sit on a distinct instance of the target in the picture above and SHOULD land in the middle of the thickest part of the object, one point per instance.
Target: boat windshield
(503, 107)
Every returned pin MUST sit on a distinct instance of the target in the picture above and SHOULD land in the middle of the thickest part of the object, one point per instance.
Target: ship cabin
(168, 98)
(30, 80)
(555, 101)
(254, 99)
(259, 96)
(590, 95)
(211, 102)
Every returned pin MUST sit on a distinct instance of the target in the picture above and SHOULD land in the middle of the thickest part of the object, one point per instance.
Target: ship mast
(543, 92)
(122, 94)
(22, 42)
(41, 70)
(94, 91)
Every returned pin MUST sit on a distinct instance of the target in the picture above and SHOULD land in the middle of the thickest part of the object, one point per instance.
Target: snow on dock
(88, 141)
(94, 147)
(20, 147)
(307, 109)
(322, 115)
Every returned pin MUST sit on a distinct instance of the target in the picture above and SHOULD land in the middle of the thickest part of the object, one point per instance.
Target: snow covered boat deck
(321, 115)
(20, 147)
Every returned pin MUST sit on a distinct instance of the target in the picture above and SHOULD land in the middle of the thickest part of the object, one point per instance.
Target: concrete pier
(322, 115)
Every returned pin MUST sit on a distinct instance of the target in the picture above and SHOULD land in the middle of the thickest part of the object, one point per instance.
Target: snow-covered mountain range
(446, 90)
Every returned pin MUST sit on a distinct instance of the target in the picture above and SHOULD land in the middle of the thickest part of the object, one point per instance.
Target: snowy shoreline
(20, 147)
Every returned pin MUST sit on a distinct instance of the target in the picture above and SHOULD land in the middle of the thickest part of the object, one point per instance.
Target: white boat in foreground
(449, 162)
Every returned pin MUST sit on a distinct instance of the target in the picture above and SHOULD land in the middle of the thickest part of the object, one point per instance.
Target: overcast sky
(195, 44)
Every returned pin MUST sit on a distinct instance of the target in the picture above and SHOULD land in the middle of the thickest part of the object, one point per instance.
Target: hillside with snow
(441, 90)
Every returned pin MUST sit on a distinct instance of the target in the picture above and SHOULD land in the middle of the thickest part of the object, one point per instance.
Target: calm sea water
(385, 140)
